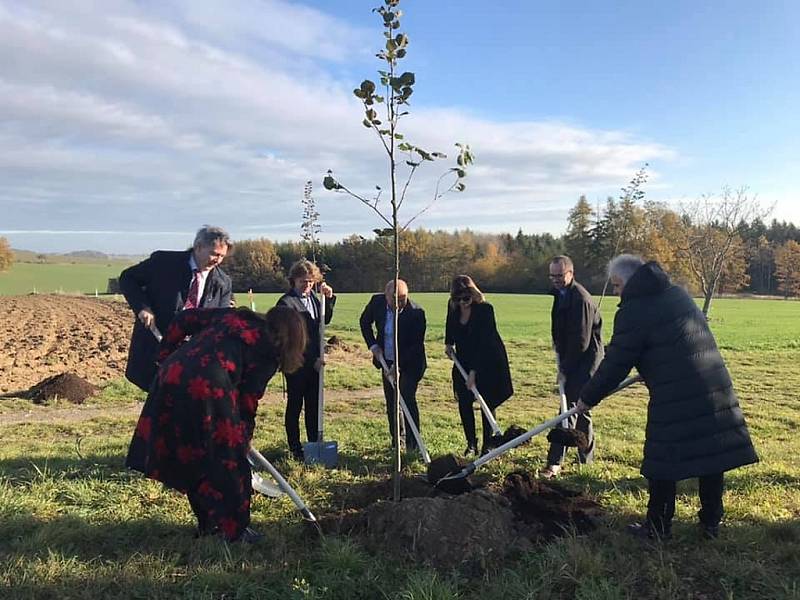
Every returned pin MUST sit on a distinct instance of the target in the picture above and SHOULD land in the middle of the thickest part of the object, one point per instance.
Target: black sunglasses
(462, 298)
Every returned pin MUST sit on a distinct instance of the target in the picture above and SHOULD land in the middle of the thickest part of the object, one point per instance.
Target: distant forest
(762, 258)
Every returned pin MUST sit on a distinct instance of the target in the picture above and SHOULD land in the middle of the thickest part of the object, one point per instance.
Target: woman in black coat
(196, 425)
(471, 332)
(695, 427)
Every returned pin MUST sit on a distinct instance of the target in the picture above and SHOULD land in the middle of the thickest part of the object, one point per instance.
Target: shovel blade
(322, 453)
(262, 486)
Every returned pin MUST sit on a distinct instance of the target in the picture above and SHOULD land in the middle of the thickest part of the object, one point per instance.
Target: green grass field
(65, 278)
(75, 524)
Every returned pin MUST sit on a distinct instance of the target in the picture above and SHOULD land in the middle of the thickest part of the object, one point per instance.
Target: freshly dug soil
(471, 531)
(66, 386)
(569, 437)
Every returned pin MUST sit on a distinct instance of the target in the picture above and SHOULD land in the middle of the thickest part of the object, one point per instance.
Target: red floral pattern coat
(197, 422)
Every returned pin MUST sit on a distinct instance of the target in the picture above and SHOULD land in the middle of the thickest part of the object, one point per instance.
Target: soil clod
(569, 437)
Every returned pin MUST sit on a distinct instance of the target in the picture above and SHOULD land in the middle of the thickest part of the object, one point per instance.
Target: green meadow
(74, 523)
(59, 278)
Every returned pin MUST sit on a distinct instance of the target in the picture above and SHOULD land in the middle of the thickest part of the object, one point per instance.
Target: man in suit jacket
(379, 313)
(161, 286)
(575, 327)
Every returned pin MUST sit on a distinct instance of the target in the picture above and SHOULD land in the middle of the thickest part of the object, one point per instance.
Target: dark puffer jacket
(694, 424)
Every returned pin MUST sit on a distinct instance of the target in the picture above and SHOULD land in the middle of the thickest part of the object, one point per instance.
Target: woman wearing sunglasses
(471, 332)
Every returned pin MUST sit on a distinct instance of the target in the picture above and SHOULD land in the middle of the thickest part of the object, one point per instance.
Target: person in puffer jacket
(695, 427)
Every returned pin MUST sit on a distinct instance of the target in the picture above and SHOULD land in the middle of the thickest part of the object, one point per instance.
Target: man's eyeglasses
(559, 275)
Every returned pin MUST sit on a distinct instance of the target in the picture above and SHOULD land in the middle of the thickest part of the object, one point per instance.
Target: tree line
(749, 256)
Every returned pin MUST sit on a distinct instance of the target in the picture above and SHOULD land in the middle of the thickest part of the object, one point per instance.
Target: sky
(125, 125)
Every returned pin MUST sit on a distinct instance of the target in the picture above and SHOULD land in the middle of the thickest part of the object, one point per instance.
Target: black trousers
(408, 389)
(557, 452)
(466, 400)
(302, 392)
(661, 506)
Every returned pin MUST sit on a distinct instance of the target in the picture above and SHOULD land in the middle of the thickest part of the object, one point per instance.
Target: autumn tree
(787, 268)
(255, 265)
(711, 233)
(6, 255)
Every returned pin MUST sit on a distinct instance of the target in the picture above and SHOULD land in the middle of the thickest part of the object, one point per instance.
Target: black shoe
(709, 532)
(250, 536)
(472, 449)
(299, 455)
(646, 531)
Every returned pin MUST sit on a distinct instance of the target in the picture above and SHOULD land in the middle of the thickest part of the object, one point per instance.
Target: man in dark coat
(575, 325)
(378, 316)
(695, 427)
(161, 286)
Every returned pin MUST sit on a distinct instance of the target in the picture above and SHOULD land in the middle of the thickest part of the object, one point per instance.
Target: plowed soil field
(44, 335)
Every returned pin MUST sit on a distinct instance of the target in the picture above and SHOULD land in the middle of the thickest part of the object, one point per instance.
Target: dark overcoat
(479, 347)
(575, 325)
(694, 424)
(161, 283)
(411, 334)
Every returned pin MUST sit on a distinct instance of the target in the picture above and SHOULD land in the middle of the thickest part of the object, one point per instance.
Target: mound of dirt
(67, 386)
(469, 531)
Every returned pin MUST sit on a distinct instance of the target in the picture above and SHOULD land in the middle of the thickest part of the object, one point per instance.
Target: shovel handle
(484, 407)
(426, 457)
(259, 459)
(156, 333)
(521, 439)
(321, 393)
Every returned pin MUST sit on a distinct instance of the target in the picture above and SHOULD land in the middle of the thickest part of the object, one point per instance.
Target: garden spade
(321, 452)
(456, 482)
(498, 437)
(420, 444)
(257, 459)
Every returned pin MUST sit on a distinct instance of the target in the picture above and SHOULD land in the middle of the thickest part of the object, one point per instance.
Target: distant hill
(75, 257)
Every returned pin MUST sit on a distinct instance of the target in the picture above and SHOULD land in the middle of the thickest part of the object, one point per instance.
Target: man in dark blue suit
(379, 313)
(166, 283)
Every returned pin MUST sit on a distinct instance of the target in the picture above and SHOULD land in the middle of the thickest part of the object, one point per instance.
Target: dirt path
(44, 335)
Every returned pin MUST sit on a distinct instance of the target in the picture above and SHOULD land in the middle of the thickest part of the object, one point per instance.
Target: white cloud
(182, 114)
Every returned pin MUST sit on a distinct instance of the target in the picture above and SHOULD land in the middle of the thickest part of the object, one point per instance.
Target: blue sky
(128, 124)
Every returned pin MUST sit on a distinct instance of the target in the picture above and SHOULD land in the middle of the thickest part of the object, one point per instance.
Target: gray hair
(209, 236)
(623, 266)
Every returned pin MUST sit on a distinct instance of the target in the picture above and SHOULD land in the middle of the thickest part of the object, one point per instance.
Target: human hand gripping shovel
(420, 444)
(456, 481)
(321, 452)
(498, 437)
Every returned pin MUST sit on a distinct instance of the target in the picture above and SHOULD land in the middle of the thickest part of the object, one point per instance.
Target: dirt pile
(44, 335)
(66, 386)
(470, 531)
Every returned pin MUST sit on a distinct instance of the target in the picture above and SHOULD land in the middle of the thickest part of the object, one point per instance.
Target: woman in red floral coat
(197, 422)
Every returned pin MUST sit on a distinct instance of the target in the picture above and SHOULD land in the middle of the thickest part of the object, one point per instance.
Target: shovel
(456, 483)
(321, 452)
(498, 437)
(420, 444)
(257, 459)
